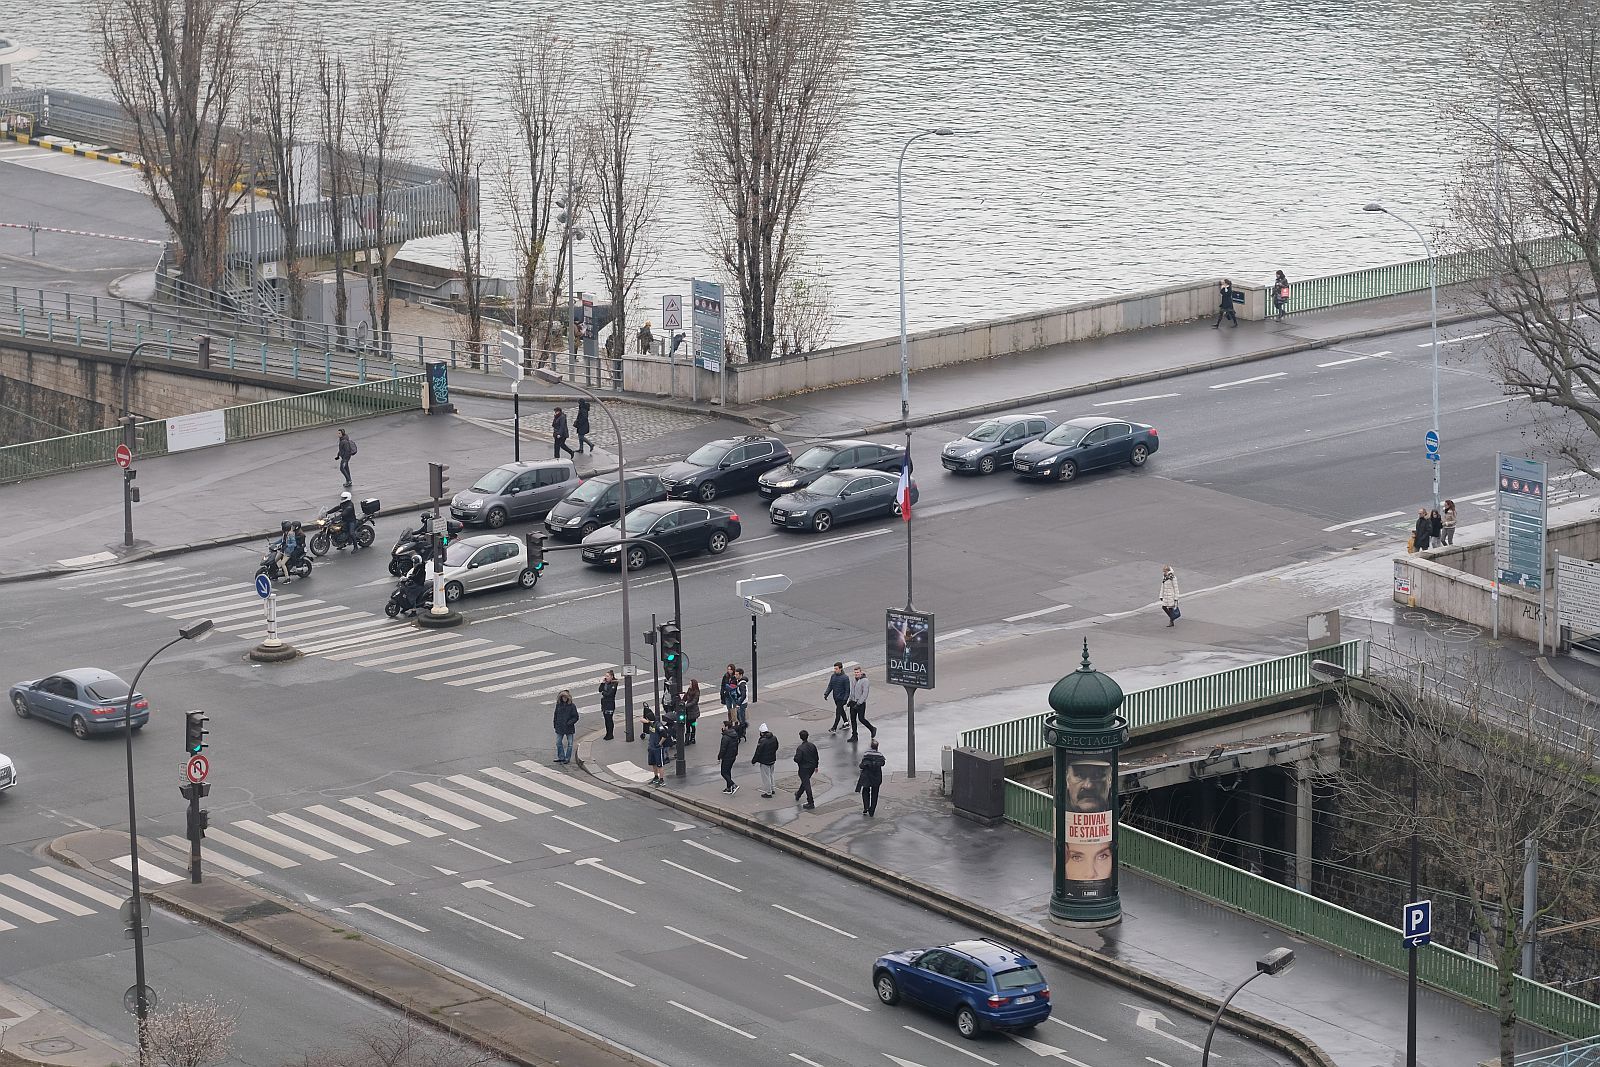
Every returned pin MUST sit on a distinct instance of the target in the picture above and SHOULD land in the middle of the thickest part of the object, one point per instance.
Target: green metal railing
(1471, 979)
(1178, 700)
(1576, 1054)
(31, 459)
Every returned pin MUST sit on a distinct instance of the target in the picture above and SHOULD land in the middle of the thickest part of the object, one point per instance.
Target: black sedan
(840, 496)
(678, 528)
(1086, 444)
(993, 443)
(817, 460)
(729, 465)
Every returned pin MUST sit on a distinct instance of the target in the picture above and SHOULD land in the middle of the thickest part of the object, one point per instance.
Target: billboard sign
(707, 325)
(909, 648)
(1091, 819)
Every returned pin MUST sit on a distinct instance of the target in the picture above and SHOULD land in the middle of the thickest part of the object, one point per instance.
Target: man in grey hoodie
(860, 689)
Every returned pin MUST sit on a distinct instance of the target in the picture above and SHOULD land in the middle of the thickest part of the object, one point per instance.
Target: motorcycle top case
(370, 506)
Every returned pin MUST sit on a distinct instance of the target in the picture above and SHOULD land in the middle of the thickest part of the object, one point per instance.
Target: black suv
(817, 460)
(594, 504)
(730, 465)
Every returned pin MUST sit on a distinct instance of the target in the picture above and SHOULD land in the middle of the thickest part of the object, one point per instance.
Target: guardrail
(1456, 973)
(1573, 1054)
(1178, 700)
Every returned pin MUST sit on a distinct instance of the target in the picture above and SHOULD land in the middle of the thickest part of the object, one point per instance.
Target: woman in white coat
(1169, 595)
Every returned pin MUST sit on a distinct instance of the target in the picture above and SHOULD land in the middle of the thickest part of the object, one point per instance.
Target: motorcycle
(298, 565)
(419, 542)
(409, 598)
(328, 532)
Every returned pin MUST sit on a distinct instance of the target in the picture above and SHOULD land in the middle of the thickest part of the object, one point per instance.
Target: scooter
(419, 542)
(409, 598)
(299, 564)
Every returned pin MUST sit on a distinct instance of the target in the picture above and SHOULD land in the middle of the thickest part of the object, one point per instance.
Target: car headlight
(1045, 462)
(472, 505)
(787, 483)
(969, 453)
(799, 514)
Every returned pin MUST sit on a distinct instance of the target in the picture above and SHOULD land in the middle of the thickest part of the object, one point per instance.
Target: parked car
(678, 528)
(818, 460)
(515, 491)
(729, 465)
(1085, 444)
(486, 561)
(984, 984)
(840, 496)
(88, 699)
(8, 772)
(993, 443)
(595, 503)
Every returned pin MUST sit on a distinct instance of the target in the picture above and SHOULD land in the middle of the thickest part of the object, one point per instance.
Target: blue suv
(984, 984)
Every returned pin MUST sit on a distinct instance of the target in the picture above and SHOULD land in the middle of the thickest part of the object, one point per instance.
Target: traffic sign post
(197, 769)
(1430, 441)
(1416, 923)
(672, 312)
(749, 589)
(272, 650)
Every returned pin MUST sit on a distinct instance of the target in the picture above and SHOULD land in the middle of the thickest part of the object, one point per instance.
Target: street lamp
(126, 421)
(905, 405)
(1273, 963)
(1433, 304)
(192, 632)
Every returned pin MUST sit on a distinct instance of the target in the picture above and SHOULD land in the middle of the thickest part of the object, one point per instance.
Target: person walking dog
(1169, 596)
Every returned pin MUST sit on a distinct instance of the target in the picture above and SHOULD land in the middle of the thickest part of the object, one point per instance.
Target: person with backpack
(1280, 296)
(766, 756)
(347, 449)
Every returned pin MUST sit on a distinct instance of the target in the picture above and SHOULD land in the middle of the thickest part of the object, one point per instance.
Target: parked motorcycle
(298, 566)
(328, 532)
(419, 542)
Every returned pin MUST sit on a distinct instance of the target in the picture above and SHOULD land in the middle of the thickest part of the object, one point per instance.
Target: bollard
(202, 351)
(361, 370)
(77, 332)
(327, 366)
(50, 326)
(110, 345)
(294, 362)
(263, 357)
(22, 320)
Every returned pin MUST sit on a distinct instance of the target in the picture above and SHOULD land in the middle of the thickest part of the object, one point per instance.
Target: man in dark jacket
(1227, 298)
(608, 702)
(347, 448)
(558, 431)
(870, 780)
(566, 724)
(806, 758)
(727, 752)
(838, 688)
(766, 755)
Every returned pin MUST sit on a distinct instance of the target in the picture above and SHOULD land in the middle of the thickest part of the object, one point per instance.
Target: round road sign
(130, 999)
(198, 768)
(263, 586)
(124, 456)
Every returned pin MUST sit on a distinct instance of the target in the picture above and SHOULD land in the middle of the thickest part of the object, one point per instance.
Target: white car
(8, 772)
(487, 561)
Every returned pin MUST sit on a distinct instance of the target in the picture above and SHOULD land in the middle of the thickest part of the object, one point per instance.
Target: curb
(1042, 942)
(1573, 690)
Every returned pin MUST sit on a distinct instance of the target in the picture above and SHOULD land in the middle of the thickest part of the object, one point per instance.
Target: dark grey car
(992, 444)
(817, 460)
(839, 496)
(595, 503)
(515, 492)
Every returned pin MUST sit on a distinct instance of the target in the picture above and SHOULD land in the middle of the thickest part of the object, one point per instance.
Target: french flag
(903, 493)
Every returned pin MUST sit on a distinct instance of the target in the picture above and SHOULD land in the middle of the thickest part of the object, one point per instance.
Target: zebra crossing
(342, 634)
(47, 895)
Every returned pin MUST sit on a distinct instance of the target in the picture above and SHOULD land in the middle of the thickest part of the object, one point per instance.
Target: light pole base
(429, 620)
(273, 652)
(1086, 924)
(1086, 914)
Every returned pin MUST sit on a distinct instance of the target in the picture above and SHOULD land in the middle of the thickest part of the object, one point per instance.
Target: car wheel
(823, 522)
(586, 529)
(496, 518)
(1068, 471)
(1140, 454)
(80, 727)
(717, 543)
(636, 558)
(452, 592)
(319, 543)
(706, 491)
(986, 465)
(887, 988)
(528, 578)
(21, 707)
(967, 1022)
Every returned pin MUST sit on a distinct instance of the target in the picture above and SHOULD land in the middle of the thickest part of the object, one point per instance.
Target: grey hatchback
(88, 699)
(992, 444)
(595, 503)
(515, 491)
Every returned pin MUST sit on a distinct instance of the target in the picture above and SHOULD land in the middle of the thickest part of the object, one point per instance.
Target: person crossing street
(806, 759)
(860, 690)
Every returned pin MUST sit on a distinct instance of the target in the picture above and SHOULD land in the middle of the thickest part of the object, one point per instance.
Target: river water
(1104, 146)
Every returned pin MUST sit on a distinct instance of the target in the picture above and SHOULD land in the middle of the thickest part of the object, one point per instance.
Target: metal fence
(1575, 1054)
(1177, 700)
(1471, 979)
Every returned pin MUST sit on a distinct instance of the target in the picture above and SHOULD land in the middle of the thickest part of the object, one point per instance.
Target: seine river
(1104, 146)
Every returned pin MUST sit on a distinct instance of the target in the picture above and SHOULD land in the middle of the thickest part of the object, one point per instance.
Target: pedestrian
(806, 759)
(558, 431)
(1435, 527)
(608, 703)
(1225, 305)
(347, 448)
(647, 340)
(1447, 525)
(566, 724)
(727, 752)
(741, 700)
(691, 710)
(838, 690)
(860, 689)
(766, 756)
(1280, 296)
(1169, 596)
(1423, 531)
(660, 738)
(725, 691)
(581, 425)
(870, 780)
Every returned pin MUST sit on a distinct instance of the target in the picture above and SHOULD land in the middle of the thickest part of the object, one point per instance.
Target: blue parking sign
(1416, 923)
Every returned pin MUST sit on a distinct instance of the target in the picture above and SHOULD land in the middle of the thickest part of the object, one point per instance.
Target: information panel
(1520, 520)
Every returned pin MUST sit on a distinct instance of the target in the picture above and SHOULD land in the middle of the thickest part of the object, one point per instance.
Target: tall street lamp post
(192, 632)
(1275, 962)
(905, 407)
(1433, 303)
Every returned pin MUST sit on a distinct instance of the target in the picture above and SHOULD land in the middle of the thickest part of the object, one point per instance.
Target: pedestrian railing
(1178, 700)
(1575, 1054)
(1473, 980)
(33, 459)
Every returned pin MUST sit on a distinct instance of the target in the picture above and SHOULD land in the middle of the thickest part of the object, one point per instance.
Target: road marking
(591, 896)
(522, 782)
(819, 922)
(714, 852)
(424, 808)
(149, 871)
(480, 653)
(557, 849)
(1230, 385)
(1158, 1063)
(394, 818)
(1135, 400)
(802, 1059)
(475, 848)
(948, 1045)
(55, 900)
(229, 591)
(457, 671)
(382, 837)
(595, 862)
(1078, 1029)
(412, 642)
(77, 885)
(677, 826)
(953, 633)
(336, 840)
(586, 829)
(842, 1000)
(697, 874)
(1035, 614)
(586, 668)
(488, 887)
(250, 848)
(1361, 522)
(79, 581)
(521, 675)
(421, 654)
(480, 922)
(180, 845)
(283, 840)
(387, 915)
(596, 970)
(630, 770)
(1454, 340)
(567, 780)
(848, 664)
(708, 944)
(498, 794)
(1342, 362)
(368, 874)
(712, 1019)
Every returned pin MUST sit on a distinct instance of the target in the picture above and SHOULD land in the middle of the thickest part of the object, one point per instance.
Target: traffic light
(670, 648)
(199, 822)
(536, 552)
(650, 638)
(194, 732)
(194, 790)
(437, 480)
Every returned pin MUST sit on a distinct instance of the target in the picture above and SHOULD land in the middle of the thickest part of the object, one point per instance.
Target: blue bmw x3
(984, 984)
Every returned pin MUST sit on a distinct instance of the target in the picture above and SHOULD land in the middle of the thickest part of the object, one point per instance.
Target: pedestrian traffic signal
(437, 480)
(194, 732)
(671, 647)
(199, 822)
(536, 552)
(194, 790)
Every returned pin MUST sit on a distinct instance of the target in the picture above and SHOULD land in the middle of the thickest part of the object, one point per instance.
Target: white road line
(597, 864)
(498, 794)
(480, 922)
(948, 1045)
(953, 633)
(33, 915)
(521, 673)
(148, 871)
(394, 818)
(368, 874)
(209, 609)
(819, 922)
(1342, 362)
(1079, 1029)
(1244, 381)
(816, 988)
(1158, 1063)
(141, 586)
(381, 836)
(367, 621)
(1454, 340)
(250, 848)
(712, 1019)
(479, 851)
(570, 781)
(180, 845)
(413, 642)
(285, 617)
(488, 887)
(1135, 400)
(77, 885)
(372, 637)
(209, 591)
(708, 944)
(559, 686)
(802, 1059)
(424, 655)
(596, 970)
(294, 822)
(512, 778)
(88, 578)
(424, 808)
(714, 852)
(697, 874)
(283, 840)
(630, 770)
(1359, 522)
(387, 915)
(479, 653)
(849, 663)
(569, 666)
(585, 829)
(40, 893)
(591, 896)
(1051, 610)
(457, 671)
(439, 792)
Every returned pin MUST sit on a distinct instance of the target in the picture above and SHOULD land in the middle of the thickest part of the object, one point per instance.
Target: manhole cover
(53, 1046)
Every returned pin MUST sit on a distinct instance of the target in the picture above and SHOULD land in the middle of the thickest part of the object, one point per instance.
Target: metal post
(194, 833)
(439, 608)
(516, 420)
(128, 439)
(272, 620)
(1530, 908)
(1211, 1032)
(1433, 308)
(572, 333)
(1411, 947)
(655, 660)
(754, 685)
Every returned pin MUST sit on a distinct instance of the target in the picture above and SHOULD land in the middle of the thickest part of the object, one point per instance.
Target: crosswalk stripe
(142, 587)
(390, 644)
(79, 886)
(250, 848)
(313, 830)
(521, 674)
(4, 926)
(394, 818)
(480, 653)
(424, 654)
(458, 671)
(258, 617)
(121, 575)
(211, 856)
(349, 822)
(303, 612)
(498, 794)
(55, 900)
(224, 604)
(74, 581)
(148, 871)
(267, 833)
(18, 908)
(368, 621)
(521, 782)
(192, 594)
(434, 789)
(567, 677)
(436, 814)
(378, 633)
(568, 780)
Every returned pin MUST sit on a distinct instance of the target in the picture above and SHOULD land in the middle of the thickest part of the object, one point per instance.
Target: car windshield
(494, 481)
(107, 689)
(815, 458)
(1019, 978)
(458, 554)
(589, 491)
(989, 431)
(639, 522)
(830, 484)
(707, 455)
(1066, 434)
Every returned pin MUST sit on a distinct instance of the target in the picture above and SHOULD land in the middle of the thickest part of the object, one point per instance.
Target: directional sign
(1430, 441)
(124, 456)
(765, 584)
(263, 586)
(1416, 923)
(511, 355)
(672, 312)
(1520, 521)
(198, 768)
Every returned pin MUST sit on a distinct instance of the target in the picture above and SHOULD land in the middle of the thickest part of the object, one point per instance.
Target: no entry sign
(124, 456)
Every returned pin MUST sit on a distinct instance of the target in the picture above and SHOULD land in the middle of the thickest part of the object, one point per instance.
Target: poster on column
(1090, 822)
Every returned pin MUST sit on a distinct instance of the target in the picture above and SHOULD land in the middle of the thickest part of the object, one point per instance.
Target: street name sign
(762, 586)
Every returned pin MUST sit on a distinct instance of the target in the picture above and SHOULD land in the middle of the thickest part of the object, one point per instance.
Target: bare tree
(624, 195)
(1496, 768)
(804, 315)
(333, 133)
(379, 104)
(771, 94)
(280, 112)
(191, 1033)
(177, 68)
(456, 132)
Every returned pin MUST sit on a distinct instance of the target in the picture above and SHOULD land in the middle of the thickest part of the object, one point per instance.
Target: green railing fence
(1177, 700)
(1575, 1054)
(1472, 980)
